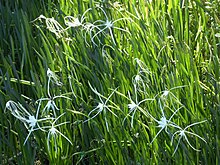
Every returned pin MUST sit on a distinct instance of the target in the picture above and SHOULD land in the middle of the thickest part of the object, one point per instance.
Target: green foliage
(147, 77)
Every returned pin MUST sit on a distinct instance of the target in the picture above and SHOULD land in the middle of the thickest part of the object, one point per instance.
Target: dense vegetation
(106, 82)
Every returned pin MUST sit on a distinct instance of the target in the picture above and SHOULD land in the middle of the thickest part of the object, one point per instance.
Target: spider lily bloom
(75, 22)
(53, 133)
(135, 105)
(117, 6)
(17, 110)
(51, 103)
(90, 29)
(163, 123)
(141, 79)
(53, 26)
(51, 99)
(182, 134)
(72, 22)
(139, 83)
(53, 77)
(142, 66)
(107, 25)
(102, 106)
(30, 121)
(166, 93)
(33, 121)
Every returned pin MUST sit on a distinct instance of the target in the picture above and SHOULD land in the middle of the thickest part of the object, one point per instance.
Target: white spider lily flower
(30, 121)
(143, 67)
(163, 123)
(51, 99)
(71, 21)
(135, 105)
(53, 77)
(39, 18)
(132, 106)
(53, 26)
(141, 79)
(167, 93)
(139, 83)
(17, 110)
(89, 29)
(137, 78)
(51, 103)
(33, 121)
(53, 133)
(107, 25)
(102, 106)
(118, 6)
(182, 134)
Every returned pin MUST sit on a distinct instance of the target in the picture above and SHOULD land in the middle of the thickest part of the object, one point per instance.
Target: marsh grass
(173, 47)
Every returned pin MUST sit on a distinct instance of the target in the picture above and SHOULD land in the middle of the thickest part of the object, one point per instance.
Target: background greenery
(178, 41)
